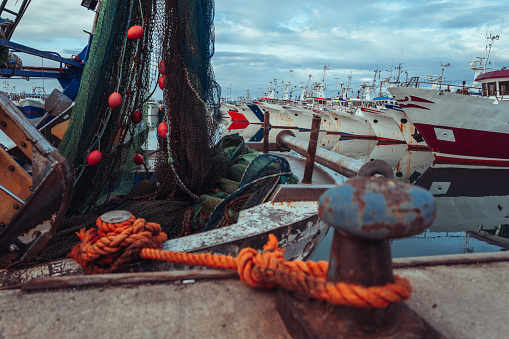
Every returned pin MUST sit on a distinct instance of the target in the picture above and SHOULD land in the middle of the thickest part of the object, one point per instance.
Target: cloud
(351, 37)
(259, 41)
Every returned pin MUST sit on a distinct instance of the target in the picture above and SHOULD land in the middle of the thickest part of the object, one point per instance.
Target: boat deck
(461, 296)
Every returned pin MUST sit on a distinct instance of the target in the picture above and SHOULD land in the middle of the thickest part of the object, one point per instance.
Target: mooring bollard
(366, 213)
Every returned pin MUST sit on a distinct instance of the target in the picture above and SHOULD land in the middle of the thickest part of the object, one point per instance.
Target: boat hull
(459, 128)
(383, 124)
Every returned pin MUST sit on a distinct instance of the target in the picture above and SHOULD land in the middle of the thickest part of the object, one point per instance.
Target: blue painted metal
(35, 74)
(48, 55)
(258, 136)
(257, 111)
(375, 208)
(69, 76)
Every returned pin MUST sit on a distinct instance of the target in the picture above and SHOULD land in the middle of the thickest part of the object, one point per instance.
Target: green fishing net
(195, 184)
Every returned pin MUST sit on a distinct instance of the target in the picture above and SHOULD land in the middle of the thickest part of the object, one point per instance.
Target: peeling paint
(34, 233)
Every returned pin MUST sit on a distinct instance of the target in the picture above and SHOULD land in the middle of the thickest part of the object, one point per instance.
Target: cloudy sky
(259, 41)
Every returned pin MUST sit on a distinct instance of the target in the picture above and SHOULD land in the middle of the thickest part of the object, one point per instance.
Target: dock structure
(458, 295)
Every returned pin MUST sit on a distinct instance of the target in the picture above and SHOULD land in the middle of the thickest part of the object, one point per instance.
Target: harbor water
(472, 201)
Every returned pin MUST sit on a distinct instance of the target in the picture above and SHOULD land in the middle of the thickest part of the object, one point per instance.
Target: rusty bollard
(365, 212)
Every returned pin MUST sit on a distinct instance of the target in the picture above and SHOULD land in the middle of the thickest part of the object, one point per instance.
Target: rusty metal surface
(366, 212)
(311, 151)
(376, 208)
(343, 165)
(299, 192)
(317, 319)
(36, 221)
(266, 128)
(17, 277)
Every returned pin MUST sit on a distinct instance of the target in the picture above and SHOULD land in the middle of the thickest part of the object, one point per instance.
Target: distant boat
(32, 105)
(410, 133)
(462, 128)
(383, 124)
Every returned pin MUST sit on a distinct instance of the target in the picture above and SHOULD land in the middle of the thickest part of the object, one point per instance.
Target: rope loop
(110, 247)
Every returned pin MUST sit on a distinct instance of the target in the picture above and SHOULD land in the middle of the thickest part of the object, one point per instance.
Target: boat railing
(446, 86)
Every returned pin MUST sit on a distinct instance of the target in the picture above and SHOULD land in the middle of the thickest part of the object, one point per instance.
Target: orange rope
(102, 251)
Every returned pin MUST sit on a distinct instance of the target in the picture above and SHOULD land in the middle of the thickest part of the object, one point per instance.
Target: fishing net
(195, 183)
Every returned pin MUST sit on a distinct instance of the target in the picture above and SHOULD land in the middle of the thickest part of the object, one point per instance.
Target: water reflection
(472, 201)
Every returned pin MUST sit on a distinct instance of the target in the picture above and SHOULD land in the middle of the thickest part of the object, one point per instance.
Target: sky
(259, 41)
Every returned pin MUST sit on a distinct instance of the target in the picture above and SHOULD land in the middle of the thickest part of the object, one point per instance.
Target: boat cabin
(495, 84)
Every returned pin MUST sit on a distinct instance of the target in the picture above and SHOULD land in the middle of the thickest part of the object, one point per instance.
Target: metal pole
(266, 127)
(311, 152)
(346, 166)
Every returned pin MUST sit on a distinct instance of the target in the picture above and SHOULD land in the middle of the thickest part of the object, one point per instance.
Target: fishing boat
(32, 105)
(381, 120)
(462, 128)
(408, 130)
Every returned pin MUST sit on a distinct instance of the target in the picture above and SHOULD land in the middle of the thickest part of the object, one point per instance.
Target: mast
(287, 87)
(305, 89)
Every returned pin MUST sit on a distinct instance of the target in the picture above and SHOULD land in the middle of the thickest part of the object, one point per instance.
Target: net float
(161, 67)
(161, 81)
(136, 117)
(94, 158)
(115, 100)
(135, 32)
(138, 159)
(162, 129)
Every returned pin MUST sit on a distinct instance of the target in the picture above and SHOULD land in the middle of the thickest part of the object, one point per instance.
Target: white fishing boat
(383, 124)
(408, 130)
(358, 149)
(351, 125)
(278, 116)
(462, 128)
(32, 105)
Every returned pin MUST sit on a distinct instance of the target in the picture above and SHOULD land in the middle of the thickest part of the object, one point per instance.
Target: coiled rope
(113, 246)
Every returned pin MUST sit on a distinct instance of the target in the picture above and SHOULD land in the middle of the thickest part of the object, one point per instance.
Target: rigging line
(121, 60)
(141, 14)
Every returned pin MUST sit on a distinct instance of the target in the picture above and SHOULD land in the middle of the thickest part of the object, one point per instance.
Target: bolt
(13, 248)
(366, 212)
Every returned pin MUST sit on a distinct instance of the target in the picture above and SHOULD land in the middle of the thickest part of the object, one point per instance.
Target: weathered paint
(376, 208)
(296, 224)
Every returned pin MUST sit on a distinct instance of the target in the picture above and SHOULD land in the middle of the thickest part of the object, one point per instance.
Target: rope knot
(112, 246)
(252, 265)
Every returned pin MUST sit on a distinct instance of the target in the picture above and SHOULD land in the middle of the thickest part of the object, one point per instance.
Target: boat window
(491, 88)
(504, 88)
